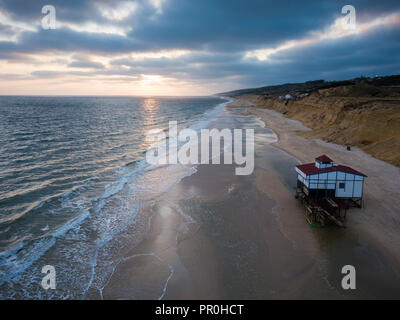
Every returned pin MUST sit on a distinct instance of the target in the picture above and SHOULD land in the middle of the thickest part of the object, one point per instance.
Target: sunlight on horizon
(153, 71)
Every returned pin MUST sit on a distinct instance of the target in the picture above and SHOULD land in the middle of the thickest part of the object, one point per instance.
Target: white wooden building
(324, 178)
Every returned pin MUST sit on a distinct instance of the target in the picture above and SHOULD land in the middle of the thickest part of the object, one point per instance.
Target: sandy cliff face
(357, 115)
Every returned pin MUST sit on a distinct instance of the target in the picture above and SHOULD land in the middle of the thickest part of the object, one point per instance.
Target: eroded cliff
(361, 114)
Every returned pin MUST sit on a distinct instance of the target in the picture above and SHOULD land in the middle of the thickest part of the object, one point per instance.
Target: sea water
(73, 176)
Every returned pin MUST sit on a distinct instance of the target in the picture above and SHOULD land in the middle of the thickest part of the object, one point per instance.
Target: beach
(379, 218)
(193, 231)
(199, 150)
(216, 235)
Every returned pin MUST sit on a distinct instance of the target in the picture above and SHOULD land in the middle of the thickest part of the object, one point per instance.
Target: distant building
(289, 97)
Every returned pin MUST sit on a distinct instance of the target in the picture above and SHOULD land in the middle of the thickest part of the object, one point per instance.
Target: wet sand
(379, 220)
(216, 235)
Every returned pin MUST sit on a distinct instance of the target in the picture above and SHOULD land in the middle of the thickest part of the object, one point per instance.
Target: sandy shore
(216, 235)
(379, 220)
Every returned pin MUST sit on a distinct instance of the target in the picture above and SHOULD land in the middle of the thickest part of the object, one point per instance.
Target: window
(341, 185)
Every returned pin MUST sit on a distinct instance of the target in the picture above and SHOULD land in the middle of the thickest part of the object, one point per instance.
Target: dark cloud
(86, 64)
(229, 25)
(218, 33)
(70, 10)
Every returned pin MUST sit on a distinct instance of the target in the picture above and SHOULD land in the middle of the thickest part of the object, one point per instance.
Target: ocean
(73, 176)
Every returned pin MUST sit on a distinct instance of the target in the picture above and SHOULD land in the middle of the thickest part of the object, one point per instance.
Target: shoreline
(225, 239)
(366, 221)
(216, 235)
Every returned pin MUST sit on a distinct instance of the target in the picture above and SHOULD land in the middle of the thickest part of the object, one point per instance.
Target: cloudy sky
(191, 47)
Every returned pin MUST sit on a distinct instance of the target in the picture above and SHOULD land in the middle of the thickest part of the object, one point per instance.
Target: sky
(191, 47)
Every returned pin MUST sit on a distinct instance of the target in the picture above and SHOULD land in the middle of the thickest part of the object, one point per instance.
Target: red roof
(324, 159)
(310, 168)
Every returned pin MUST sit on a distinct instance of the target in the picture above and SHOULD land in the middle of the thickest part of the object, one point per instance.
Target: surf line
(164, 290)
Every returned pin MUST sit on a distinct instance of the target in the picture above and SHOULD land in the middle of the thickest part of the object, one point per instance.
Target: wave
(23, 253)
